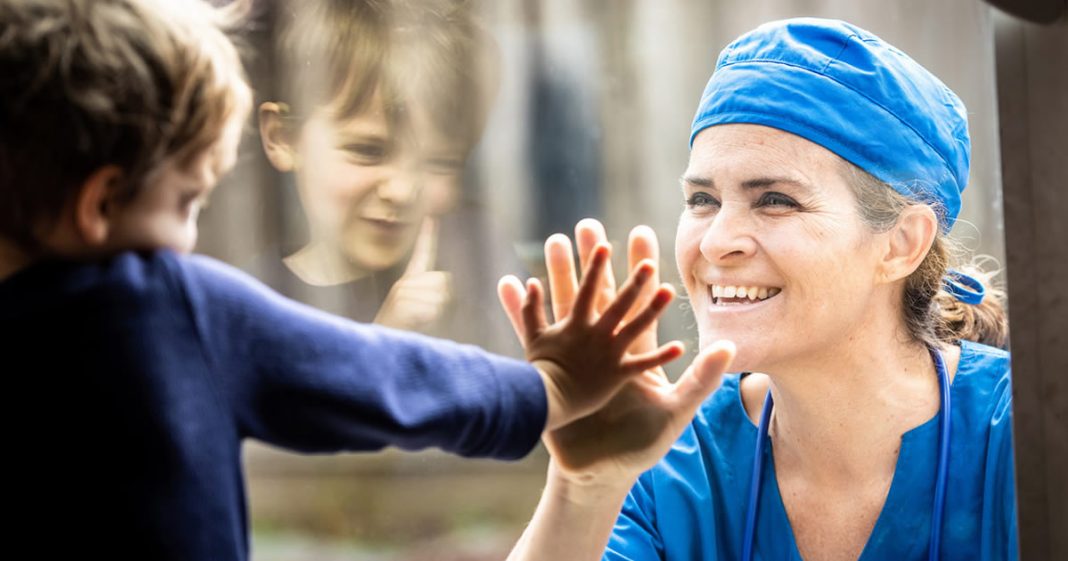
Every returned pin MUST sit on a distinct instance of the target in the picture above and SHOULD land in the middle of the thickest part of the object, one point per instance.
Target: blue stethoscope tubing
(945, 414)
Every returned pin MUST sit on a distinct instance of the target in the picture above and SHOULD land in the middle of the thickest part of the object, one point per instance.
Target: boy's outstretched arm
(298, 378)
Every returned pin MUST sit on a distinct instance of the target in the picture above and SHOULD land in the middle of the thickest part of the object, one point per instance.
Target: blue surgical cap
(849, 91)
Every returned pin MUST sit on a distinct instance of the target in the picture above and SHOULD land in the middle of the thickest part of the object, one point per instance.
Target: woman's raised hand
(637, 427)
(583, 358)
(642, 245)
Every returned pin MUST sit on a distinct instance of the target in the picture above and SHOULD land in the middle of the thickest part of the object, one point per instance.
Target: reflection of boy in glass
(382, 103)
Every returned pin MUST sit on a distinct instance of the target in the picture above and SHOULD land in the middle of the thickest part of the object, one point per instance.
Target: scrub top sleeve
(999, 532)
(635, 536)
(306, 380)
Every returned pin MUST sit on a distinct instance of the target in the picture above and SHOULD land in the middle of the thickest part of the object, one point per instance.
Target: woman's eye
(777, 199)
(701, 200)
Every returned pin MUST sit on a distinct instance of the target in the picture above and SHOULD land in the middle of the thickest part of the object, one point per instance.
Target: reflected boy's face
(366, 189)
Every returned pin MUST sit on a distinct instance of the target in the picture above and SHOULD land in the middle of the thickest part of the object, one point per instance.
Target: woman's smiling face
(770, 247)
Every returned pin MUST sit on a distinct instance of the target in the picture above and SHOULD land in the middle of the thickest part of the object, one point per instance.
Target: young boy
(135, 371)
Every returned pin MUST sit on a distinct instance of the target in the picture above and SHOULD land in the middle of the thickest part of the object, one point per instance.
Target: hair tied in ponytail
(964, 287)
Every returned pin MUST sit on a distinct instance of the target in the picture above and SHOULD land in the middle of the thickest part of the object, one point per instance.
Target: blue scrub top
(692, 505)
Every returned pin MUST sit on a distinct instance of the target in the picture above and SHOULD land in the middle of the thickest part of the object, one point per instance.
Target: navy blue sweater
(131, 383)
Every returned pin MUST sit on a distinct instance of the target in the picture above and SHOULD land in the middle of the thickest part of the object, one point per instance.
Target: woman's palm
(639, 424)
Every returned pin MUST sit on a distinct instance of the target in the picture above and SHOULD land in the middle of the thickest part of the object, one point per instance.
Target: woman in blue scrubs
(826, 169)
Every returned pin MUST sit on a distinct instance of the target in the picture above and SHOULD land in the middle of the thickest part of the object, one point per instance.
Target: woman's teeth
(724, 294)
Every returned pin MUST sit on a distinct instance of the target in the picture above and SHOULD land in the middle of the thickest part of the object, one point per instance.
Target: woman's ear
(276, 135)
(909, 241)
(96, 205)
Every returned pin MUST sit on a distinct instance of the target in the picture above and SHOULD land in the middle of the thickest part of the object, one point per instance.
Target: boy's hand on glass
(629, 435)
(641, 245)
(583, 357)
(634, 429)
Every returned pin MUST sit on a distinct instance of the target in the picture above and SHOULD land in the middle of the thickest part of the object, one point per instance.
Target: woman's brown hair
(933, 315)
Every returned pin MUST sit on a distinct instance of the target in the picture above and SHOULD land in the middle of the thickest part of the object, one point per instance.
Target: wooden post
(1032, 81)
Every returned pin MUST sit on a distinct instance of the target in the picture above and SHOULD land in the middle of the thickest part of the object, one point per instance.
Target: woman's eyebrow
(697, 181)
(749, 184)
(765, 182)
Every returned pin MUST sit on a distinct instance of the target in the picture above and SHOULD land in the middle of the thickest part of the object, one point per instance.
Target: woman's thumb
(704, 374)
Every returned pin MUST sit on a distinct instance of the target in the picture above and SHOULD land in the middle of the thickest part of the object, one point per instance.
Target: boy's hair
(88, 84)
(429, 53)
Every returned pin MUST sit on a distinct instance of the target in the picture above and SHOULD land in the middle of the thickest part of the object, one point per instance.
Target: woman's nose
(729, 236)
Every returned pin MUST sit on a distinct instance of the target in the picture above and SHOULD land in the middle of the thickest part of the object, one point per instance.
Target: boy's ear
(275, 134)
(96, 205)
(908, 242)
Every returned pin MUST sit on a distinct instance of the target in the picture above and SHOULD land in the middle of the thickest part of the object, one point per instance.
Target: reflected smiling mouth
(387, 223)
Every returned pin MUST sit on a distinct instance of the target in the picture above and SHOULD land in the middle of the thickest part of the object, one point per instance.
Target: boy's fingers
(511, 294)
(704, 375)
(627, 296)
(587, 294)
(425, 248)
(588, 233)
(652, 359)
(560, 263)
(647, 317)
(533, 311)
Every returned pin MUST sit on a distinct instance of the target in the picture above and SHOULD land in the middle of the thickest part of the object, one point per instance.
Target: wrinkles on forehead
(752, 184)
(752, 157)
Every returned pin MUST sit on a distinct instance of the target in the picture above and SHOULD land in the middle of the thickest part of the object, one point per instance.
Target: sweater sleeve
(302, 379)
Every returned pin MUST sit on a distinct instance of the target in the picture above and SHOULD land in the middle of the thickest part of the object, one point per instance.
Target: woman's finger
(511, 293)
(703, 377)
(588, 233)
(641, 245)
(560, 263)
